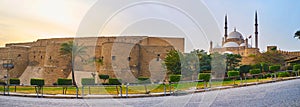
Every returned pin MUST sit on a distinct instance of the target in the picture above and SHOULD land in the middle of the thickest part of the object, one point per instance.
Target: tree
(232, 61)
(172, 61)
(270, 58)
(72, 50)
(297, 34)
(204, 60)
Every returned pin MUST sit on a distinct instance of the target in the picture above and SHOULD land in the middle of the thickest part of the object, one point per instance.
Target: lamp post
(8, 65)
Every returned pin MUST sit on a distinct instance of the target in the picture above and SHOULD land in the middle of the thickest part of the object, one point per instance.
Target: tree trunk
(73, 74)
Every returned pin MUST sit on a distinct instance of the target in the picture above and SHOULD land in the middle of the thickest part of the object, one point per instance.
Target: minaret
(246, 44)
(256, 30)
(211, 46)
(226, 28)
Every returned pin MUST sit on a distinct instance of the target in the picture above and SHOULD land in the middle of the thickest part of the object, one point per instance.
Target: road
(279, 94)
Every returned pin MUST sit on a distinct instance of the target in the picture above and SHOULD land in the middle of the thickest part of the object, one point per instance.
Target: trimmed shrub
(64, 81)
(37, 81)
(114, 81)
(104, 77)
(204, 76)
(233, 73)
(283, 74)
(87, 81)
(244, 68)
(14, 81)
(144, 80)
(255, 71)
(268, 75)
(274, 68)
(296, 67)
(175, 78)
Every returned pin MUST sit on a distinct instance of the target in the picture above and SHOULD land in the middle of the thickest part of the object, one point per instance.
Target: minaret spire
(256, 30)
(226, 28)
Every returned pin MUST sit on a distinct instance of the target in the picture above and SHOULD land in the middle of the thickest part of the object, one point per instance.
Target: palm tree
(297, 34)
(71, 51)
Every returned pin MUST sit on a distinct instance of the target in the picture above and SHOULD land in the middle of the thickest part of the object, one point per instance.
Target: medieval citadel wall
(136, 56)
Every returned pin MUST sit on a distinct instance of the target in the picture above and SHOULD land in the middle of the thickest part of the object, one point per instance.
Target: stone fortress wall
(125, 57)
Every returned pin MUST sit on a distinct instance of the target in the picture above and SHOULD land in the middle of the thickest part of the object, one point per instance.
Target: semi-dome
(227, 52)
(235, 35)
(230, 44)
(244, 44)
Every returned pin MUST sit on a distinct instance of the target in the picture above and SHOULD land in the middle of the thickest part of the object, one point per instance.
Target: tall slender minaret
(256, 30)
(226, 28)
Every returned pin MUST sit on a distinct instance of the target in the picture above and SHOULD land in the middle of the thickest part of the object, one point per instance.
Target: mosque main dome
(235, 35)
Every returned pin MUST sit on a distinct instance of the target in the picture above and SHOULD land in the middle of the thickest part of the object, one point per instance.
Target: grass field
(139, 89)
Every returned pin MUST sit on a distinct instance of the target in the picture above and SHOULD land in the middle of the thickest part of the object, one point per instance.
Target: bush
(255, 71)
(87, 81)
(104, 77)
(175, 78)
(64, 81)
(274, 68)
(268, 75)
(244, 68)
(296, 67)
(37, 81)
(14, 81)
(114, 81)
(233, 73)
(204, 76)
(144, 80)
(283, 74)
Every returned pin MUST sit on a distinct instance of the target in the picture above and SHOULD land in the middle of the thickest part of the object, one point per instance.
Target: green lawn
(153, 88)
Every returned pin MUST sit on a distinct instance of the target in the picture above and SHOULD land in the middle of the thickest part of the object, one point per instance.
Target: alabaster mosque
(123, 56)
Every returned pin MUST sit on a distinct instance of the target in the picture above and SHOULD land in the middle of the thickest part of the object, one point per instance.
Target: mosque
(236, 43)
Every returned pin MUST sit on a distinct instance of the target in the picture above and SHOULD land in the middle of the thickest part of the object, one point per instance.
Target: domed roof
(230, 44)
(227, 52)
(244, 44)
(235, 35)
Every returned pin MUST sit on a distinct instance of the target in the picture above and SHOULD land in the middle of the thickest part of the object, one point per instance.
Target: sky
(27, 21)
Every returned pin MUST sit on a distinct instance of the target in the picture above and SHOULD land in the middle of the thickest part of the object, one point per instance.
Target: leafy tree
(270, 58)
(172, 62)
(297, 34)
(232, 61)
(244, 69)
(204, 60)
(72, 50)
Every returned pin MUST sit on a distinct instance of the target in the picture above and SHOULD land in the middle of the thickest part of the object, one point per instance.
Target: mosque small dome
(230, 44)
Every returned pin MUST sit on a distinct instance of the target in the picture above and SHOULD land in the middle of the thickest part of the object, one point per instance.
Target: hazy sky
(28, 20)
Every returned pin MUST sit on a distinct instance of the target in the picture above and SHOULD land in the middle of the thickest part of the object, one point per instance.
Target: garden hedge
(64, 81)
(14, 81)
(104, 77)
(87, 81)
(37, 81)
(204, 76)
(255, 71)
(274, 68)
(144, 80)
(114, 81)
(283, 74)
(233, 73)
(175, 78)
